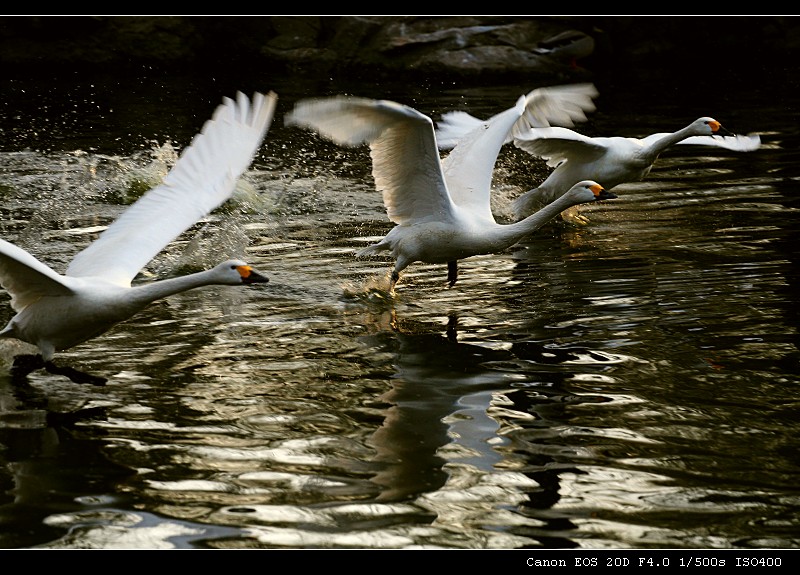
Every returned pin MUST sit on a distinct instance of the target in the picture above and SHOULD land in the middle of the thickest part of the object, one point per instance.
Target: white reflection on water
(120, 530)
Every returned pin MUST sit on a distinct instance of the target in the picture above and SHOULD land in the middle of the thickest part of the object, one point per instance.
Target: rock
(473, 47)
(453, 46)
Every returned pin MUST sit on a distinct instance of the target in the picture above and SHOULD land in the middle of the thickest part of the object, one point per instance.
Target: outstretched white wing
(558, 106)
(551, 106)
(737, 143)
(453, 127)
(405, 161)
(469, 166)
(203, 178)
(557, 144)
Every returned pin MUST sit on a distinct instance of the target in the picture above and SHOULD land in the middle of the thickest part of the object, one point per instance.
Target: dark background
(705, 47)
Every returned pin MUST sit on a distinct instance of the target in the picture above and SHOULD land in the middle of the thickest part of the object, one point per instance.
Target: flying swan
(609, 160)
(56, 312)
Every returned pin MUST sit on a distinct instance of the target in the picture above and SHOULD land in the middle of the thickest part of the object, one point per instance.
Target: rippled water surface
(629, 384)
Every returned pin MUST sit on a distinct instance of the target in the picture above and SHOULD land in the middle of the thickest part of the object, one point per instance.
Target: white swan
(442, 208)
(56, 312)
(610, 161)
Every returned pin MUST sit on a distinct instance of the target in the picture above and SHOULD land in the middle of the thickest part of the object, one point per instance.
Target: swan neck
(536, 220)
(669, 140)
(164, 288)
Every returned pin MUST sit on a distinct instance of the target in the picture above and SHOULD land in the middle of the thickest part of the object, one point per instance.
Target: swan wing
(203, 178)
(453, 126)
(551, 106)
(556, 145)
(25, 278)
(468, 167)
(563, 105)
(736, 143)
(405, 162)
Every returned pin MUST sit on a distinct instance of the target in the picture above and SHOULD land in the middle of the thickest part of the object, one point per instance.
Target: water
(630, 384)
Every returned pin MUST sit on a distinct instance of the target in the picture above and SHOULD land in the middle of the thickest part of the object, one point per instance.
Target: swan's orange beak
(600, 193)
(251, 276)
(718, 130)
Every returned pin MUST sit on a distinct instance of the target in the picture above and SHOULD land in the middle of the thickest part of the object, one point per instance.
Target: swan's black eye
(233, 267)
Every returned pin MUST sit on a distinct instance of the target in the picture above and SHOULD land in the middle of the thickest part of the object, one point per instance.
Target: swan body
(442, 207)
(56, 312)
(464, 236)
(608, 160)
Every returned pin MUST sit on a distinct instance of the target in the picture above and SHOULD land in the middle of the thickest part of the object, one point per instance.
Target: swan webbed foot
(74, 375)
(393, 281)
(452, 273)
(25, 364)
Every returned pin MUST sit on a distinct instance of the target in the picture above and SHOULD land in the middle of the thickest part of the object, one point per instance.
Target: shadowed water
(628, 384)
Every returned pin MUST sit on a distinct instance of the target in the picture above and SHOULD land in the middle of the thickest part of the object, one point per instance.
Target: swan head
(589, 191)
(706, 126)
(237, 272)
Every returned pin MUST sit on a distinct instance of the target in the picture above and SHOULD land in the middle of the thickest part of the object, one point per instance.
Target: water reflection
(45, 468)
(437, 380)
(455, 415)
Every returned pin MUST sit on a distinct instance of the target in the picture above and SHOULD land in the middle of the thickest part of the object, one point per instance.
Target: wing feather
(556, 144)
(405, 161)
(25, 278)
(203, 178)
(563, 105)
(469, 166)
(737, 143)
